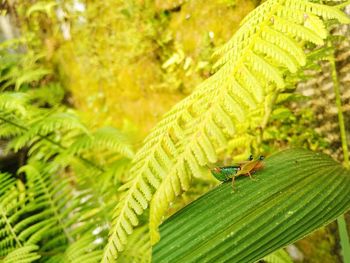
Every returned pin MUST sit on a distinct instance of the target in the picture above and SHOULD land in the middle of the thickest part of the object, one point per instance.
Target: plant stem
(344, 238)
(343, 233)
(336, 86)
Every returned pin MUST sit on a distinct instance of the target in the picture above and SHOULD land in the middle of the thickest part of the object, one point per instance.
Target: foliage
(251, 71)
(24, 254)
(58, 198)
(57, 207)
(260, 216)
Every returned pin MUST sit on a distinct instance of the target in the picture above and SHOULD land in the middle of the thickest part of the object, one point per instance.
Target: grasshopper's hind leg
(233, 183)
(251, 176)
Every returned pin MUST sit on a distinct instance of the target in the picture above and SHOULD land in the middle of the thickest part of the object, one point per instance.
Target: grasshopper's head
(251, 158)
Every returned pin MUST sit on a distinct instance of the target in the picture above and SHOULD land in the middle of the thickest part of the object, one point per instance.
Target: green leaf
(297, 192)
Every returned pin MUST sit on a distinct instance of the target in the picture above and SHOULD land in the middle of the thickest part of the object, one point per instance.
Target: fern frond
(239, 143)
(21, 69)
(56, 132)
(224, 102)
(6, 181)
(53, 200)
(25, 254)
(268, 71)
(300, 32)
(8, 130)
(324, 11)
(316, 24)
(30, 76)
(104, 138)
(10, 212)
(277, 53)
(16, 220)
(86, 249)
(61, 121)
(286, 43)
(138, 249)
(11, 102)
(51, 95)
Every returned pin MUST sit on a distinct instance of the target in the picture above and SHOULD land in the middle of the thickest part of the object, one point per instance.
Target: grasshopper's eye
(250, 158)
(261, 158)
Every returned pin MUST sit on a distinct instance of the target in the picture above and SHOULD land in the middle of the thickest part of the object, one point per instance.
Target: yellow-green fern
(138, 248)
(25, 254)
(268, 46)
(280, 256)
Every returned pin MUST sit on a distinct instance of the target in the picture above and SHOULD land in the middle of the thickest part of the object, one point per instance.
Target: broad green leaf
(297, 192)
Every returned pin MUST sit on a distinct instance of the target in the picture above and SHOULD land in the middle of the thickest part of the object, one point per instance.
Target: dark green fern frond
(6, 181)
(86, 249)
(56, 133)
(48, 95)
(12, 213)
(223, 107)
(21, 70)
(53, 199)
(62, 122)
(11, 102)
(58, 205)
(106, 138)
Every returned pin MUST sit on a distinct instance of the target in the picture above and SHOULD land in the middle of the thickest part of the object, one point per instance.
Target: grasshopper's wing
(247, 167)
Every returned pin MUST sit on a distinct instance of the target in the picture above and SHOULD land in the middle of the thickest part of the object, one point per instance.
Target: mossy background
(143, 57)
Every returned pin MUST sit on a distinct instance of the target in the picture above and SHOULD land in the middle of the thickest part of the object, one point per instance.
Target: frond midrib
(9, 226)
(81, 158)
(51, 201)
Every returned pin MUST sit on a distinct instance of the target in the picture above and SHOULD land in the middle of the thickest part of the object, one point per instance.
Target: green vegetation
(113, 112)
(260, 216)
